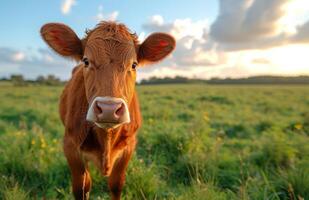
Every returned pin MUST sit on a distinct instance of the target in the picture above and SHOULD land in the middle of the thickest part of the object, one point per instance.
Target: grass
(197, 142)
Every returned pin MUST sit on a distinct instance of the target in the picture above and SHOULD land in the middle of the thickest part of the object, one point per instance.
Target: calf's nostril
(97, 108)
(119, 112)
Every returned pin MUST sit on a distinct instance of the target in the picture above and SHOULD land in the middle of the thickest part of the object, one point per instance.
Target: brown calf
(99, 106)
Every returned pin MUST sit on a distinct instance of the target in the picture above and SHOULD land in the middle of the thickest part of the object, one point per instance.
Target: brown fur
(111, 50)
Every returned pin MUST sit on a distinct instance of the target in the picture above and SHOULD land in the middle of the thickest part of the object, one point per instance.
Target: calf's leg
(117, 177)
(81, 180)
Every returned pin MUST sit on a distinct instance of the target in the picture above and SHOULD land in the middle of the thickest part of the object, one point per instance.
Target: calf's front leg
(117, 177)
(81, 180)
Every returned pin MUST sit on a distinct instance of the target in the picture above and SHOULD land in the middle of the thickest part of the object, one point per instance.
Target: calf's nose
(109, 111)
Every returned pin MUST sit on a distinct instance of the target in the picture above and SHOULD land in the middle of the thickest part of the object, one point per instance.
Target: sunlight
(291, 59)
(296, 13)
(285, 60)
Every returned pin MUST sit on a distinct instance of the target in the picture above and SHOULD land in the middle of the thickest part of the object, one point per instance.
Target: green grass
(196, 142)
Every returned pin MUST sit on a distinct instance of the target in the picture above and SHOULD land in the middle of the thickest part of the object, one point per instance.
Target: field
(197, 142)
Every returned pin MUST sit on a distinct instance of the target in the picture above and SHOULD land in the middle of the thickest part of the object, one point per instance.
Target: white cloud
(141, 36)
(157, 20)
(296, 13)
(185, 27)
(179, 28)
(260, 24)
(256, 31)
(108, 16)
(192, 48)
(18, 56)
(67, 5)
(113, 16)
(302, 33)
(34, 63)
(99, 17)
(249, 24)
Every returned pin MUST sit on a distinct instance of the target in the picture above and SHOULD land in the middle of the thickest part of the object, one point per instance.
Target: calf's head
(109, 55)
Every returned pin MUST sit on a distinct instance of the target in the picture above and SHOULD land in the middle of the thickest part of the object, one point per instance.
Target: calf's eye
(134, 65)
(85, 61)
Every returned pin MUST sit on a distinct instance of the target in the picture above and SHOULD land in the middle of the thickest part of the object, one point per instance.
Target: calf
(99, 106)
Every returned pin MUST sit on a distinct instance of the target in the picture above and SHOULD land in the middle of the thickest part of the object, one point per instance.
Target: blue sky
(215, 38)
(21, 20)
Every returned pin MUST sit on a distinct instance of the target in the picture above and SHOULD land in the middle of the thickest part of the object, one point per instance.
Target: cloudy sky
(224, 38)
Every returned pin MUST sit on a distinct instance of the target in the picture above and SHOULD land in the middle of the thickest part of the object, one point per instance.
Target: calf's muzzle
(108, 112)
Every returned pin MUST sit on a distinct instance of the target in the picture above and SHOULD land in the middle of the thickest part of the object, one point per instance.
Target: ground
(197, 142)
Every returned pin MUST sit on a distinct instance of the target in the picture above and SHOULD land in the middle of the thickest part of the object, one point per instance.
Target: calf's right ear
(63, 40)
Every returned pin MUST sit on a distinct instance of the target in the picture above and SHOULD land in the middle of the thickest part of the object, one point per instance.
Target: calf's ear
(155, 48)
(63, 40)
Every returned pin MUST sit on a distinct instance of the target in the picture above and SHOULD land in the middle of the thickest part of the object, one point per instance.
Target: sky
(215, 38)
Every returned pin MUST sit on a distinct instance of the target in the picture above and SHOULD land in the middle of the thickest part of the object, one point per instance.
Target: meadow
(197, 142)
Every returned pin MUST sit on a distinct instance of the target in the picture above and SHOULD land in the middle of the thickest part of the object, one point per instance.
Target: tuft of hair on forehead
(112, 30)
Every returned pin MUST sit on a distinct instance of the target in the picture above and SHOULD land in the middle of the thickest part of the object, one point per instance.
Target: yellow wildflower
(206, 117)
(43, 145)
(298, 126)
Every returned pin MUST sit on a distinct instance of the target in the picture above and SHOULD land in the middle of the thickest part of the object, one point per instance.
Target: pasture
(197, 142)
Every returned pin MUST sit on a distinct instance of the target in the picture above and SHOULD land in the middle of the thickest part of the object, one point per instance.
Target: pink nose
(109, 111)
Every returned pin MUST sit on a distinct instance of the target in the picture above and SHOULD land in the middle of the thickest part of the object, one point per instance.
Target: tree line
(249, 80)
(19, 80)
(52, 80)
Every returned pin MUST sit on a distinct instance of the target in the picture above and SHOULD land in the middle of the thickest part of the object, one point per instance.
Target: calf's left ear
(155, 48)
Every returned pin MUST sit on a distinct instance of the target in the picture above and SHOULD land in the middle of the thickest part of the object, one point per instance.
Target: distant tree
(49, 80)
(40, 79)
(4, 79)
(169, 80)
(52, 80)
(18, 80)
